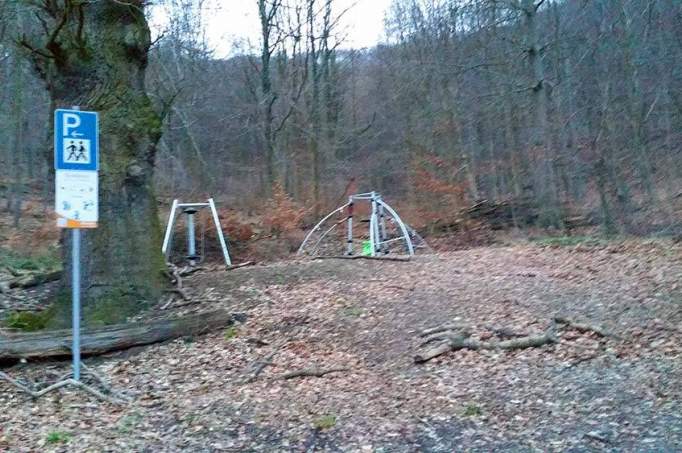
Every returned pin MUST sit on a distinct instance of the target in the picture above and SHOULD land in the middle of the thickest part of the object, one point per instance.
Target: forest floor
(583, 393)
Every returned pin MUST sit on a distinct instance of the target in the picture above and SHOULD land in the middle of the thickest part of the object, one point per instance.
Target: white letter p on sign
(70, 121)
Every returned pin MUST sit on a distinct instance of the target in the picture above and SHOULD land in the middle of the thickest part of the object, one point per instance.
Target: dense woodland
(570, 109)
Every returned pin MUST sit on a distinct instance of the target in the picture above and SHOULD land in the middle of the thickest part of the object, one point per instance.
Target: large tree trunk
(545, 179)
(94, 55)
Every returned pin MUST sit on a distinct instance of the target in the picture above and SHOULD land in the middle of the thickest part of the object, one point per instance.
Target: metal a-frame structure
(190, 209)
(380, 213)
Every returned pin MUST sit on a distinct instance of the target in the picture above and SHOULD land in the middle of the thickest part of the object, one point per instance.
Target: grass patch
(128, 423)
(570, 241)
(48, 260)
(230, 333)
(472, 410)
(58, 437)
(353, 312)
(324, 422)
(27, 321)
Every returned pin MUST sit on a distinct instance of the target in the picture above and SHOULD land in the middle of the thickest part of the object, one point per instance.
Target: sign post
(76, 301)
(76, 161)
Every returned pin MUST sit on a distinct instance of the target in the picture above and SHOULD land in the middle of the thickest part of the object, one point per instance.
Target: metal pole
(377, 236)
(191, 242)
(219, 230)
(372, 226)
(76, 300)
(165, 249)
(403, 228)
(76, 296)
(350, 227)
(382, 229)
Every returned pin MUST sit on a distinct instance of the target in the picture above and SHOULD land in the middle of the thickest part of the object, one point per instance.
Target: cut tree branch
(584, 327)
(258, 366)
(312, 372)
(363, 257)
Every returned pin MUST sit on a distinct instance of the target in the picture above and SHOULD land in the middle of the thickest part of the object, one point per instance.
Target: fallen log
(35, 279)
(57, 343)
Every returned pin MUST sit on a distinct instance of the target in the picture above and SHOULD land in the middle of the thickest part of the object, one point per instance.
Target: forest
(570, 108)
(531, 279)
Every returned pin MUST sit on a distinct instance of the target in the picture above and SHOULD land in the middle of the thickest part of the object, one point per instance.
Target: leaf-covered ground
(585, 393)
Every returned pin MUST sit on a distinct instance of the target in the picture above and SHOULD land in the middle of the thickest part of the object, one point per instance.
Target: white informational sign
(76, 198)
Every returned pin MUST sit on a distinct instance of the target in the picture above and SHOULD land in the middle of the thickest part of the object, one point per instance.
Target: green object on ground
(366, 248)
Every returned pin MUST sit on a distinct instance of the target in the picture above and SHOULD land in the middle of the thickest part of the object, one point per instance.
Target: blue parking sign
(76, 140)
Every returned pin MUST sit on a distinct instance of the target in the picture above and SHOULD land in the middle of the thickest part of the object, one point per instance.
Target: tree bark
(314, 108)
(267, 12)
(94, 55)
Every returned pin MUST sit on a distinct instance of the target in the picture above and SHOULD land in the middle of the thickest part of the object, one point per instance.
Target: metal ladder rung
(392, 240)
(193, 205)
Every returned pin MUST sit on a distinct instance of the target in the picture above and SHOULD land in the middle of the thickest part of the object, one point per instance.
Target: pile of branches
(522, 211)
(453, 337)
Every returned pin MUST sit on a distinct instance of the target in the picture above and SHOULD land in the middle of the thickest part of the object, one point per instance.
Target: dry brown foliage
(439, 191)
(283, 214)
(236, 228)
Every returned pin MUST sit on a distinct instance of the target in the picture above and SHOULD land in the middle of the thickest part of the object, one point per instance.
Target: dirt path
(584, 393)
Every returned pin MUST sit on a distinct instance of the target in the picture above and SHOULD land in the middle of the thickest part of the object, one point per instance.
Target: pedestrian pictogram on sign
(77, 151)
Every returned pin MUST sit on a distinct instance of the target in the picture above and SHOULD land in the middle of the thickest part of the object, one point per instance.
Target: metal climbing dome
(386, 232)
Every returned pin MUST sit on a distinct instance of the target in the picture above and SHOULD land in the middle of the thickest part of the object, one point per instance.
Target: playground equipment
(190, 209)
(387, 233)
